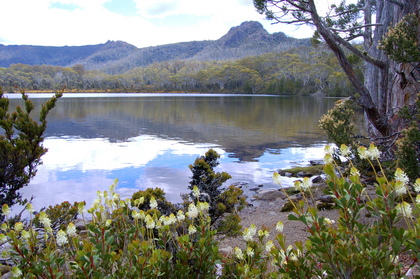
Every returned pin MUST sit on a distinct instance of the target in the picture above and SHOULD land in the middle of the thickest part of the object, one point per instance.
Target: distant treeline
(301, 71)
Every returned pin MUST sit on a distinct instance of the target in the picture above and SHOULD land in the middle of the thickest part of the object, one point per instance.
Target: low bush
(122, 241)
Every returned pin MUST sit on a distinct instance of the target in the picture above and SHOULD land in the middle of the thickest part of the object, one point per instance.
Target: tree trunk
(389, 85)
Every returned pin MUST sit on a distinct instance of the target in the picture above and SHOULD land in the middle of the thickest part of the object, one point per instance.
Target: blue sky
(139, 22)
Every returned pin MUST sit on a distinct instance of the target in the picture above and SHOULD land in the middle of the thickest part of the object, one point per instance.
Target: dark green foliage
(20, 146)
(408, 153)
(209, 184)
(60, 215)
(400, 43)
(165, 207)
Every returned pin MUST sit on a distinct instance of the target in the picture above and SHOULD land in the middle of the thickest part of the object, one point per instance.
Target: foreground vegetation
(121, 241)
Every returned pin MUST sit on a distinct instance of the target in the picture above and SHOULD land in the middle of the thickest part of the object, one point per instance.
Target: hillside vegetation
(246, 60)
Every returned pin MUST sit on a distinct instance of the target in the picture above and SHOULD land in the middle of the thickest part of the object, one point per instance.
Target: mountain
(248, 39)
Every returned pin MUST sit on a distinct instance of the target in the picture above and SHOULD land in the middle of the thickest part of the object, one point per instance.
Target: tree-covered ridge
(248, 39)
(300, 71)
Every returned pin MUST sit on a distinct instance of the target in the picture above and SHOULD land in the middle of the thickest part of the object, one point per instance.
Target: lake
(148, 140)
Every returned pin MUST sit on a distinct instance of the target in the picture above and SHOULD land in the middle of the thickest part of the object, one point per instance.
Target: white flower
(306, 184)
(203, 206)
(29, 208)
(150, 224)
(264, 233)
(354, 172)
(404, 208)
(135, 214)
(345, 150)
(18, 226)
(71, 229)
(180, 216)
(80, 207)
(26, 235)
(3, 238)
(363, 154)
(153, 203)
(238, 253)
(417, 185)
(328, 159)
(373, 152)
(61, 238)
(401, 176)
(6, 210)
(250, 251)
(192, 229)
(108, 222)
(196, 192)
(268, 246)
(328, 150)
(279, 226)
(276, 178)
(171, 219)
(400, 188)
(43, 218)
(192, 211)
(16, 272)
(249, 233)
(328, 221)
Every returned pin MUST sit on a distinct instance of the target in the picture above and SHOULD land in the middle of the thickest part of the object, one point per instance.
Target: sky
(138, 22)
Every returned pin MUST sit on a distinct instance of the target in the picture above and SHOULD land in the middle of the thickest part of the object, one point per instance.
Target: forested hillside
(246, 60)
(299, 71)
(248, 39)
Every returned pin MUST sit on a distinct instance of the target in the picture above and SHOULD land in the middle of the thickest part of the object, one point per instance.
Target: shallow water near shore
(148, 140)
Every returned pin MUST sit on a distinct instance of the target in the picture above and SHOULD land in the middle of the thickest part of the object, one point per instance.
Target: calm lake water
(148, 140)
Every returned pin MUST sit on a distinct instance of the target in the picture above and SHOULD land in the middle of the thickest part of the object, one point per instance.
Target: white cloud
(48, 22)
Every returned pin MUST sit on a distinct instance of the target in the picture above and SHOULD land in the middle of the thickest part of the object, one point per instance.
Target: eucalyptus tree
(388, 84)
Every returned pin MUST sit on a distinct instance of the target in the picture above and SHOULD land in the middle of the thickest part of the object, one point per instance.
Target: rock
(326, 199)
(316, 162)
(271, 194)
(254, 189)
(80, 225)
(304, 174)
(226, 251)
(317, 179)
(288, 174)
(260, 185)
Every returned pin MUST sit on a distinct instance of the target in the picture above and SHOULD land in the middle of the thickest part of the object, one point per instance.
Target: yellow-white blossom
(18, 226)
(61, 238)
(269, 245)
(363, 152)
(373, 152)
(250, 251)
(328, 149)
(238, 253)
(328, 221)
(417, 185)
(196, 192)
(153, 203)
(43, 218)
(180, 216)
(263, 233)
(192, 211)
(71, 229)
(404, 209)
(6, 210)
(29, 207)
(279, 226)
(16, 272)
(276, 178)
(345, 150)
(192, 229)
(306, 184)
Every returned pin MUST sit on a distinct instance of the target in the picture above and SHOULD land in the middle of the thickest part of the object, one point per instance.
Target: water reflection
(149, 141)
